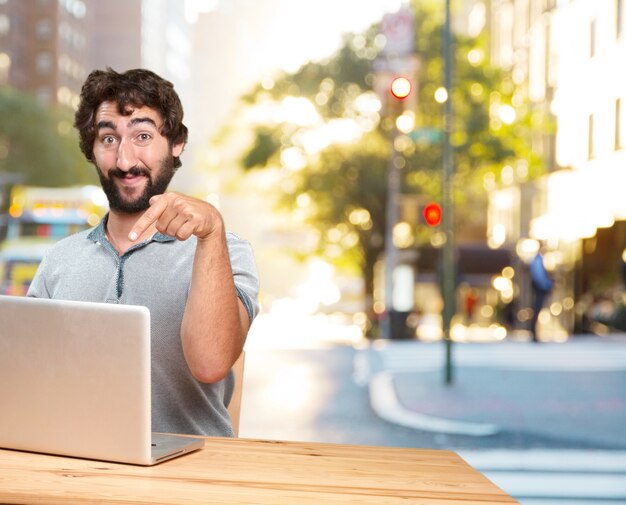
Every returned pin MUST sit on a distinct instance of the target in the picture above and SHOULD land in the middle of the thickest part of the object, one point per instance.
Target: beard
(154, 186)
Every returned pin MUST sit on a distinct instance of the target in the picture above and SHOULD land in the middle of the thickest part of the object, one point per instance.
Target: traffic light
(432, 214)
(401, 87)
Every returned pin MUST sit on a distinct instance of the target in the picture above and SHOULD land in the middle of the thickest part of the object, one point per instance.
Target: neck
(119, 226)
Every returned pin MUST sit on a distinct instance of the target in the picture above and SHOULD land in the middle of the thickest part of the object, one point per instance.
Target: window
(590, 147)
(592, 39)
(549, 5)
(618, 124)
(5, 24)
(77, 8)
(44, 29)
(5, 66)
(43, 63)
(547, 71)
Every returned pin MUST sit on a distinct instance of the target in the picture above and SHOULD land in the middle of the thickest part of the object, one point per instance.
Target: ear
(177, 149)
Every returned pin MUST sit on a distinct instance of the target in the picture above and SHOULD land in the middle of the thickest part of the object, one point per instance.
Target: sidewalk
(571, 394)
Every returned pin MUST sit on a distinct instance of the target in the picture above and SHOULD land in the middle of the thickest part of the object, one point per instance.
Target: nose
(126, 158)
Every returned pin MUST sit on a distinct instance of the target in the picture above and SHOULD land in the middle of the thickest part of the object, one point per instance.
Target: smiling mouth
(118, 172)
(131, 185)
(131, 177)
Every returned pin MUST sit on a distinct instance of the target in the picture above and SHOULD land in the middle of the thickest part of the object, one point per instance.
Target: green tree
(345, 182)
(38, 143)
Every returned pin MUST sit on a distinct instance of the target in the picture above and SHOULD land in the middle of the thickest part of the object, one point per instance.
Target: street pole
(397, 58)
(392, 217)
(448, 274)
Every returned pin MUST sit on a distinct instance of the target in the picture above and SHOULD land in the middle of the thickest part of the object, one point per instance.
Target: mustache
(118, 172)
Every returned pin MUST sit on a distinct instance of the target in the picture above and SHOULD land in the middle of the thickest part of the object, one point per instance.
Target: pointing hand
(178, 216)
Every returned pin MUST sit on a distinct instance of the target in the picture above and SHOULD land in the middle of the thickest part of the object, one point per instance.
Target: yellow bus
(37, 218)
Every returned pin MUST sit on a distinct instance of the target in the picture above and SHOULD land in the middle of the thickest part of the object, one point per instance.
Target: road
(559, 432)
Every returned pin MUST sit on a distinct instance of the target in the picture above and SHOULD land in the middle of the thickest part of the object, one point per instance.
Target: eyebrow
(134, 121)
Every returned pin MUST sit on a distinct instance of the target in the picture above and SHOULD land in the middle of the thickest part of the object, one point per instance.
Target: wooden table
(240, 471)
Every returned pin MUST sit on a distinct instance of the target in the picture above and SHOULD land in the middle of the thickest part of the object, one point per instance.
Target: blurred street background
(433, 190)
(545, 423)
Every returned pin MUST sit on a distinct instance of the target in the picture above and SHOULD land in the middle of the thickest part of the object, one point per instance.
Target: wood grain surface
(242, 471)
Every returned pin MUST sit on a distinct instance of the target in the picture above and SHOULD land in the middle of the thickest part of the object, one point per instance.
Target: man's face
(134, 161)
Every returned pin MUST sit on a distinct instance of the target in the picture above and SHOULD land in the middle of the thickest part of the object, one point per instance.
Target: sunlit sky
(299, 30)
(242, 41)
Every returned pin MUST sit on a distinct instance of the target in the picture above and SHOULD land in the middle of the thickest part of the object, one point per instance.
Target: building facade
(48, 47)
(564, 56)
(44, 48)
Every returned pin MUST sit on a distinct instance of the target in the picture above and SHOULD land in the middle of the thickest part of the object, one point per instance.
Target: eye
(108, 140)
(144, 137)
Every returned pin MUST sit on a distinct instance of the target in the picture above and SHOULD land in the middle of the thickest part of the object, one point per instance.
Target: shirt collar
(98, 234)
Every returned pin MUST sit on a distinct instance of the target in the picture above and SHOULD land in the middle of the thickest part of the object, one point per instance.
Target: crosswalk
(533, 476)
(581, 356)
(555, 477)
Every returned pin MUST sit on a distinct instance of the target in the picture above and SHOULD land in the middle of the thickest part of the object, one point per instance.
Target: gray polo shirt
(156, 274)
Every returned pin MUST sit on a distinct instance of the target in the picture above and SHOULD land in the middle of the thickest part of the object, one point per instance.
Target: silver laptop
(75, 381)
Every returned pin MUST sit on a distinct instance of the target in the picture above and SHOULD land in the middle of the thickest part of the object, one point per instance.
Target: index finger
(149, 217)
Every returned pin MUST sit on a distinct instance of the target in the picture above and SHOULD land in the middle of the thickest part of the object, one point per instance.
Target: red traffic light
(401, 87)
(432, 214)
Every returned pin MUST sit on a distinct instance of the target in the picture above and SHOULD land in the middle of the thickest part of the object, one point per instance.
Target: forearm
(215, 323)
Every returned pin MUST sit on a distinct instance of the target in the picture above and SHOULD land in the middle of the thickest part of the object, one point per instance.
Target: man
(542, 285)
(166, 251)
